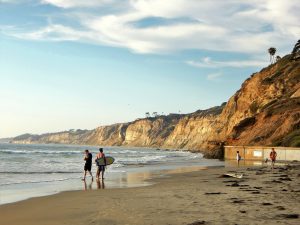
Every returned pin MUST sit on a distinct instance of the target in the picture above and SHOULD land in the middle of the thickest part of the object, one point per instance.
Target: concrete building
(260, 153)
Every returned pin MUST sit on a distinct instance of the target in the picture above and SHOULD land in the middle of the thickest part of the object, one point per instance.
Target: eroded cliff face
(195, 131)
(266, 108)
(107, 135)
(265, 111)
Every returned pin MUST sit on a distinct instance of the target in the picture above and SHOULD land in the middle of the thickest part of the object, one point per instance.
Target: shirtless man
(100, 169)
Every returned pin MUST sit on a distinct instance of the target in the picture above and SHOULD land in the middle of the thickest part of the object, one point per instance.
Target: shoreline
(51, 180)
(261, 196)
(129, 179)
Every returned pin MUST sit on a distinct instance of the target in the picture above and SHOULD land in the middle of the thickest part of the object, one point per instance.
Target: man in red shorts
(101, 168)
(273, 156)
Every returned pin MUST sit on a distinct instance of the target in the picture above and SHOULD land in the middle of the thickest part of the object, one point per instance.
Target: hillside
(5, 140)
(265, 111)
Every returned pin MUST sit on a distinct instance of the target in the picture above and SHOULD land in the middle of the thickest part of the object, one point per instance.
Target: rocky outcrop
(265, 111)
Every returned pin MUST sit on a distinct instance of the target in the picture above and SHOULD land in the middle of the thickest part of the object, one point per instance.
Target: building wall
(261, 153)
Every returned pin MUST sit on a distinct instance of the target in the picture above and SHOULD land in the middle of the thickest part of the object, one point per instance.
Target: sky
(78, 64)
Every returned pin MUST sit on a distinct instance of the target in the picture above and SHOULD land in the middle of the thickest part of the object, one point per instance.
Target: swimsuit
(88, 163)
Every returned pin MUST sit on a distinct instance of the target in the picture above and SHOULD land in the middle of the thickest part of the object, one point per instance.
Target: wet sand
(262, 196)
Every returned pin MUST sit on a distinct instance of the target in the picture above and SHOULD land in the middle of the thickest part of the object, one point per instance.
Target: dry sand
(261, 197)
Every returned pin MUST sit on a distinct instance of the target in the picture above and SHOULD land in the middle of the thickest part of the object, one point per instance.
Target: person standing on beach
(88, 164)
(238, 157)
(101, 168)
(273, 156)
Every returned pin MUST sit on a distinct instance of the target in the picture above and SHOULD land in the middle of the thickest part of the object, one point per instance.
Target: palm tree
(272, 52)
(296, 51)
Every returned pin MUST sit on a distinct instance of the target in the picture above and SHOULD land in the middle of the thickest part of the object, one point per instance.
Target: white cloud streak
(248, 26)
(207, 62)
(214, 76)
(76, 3)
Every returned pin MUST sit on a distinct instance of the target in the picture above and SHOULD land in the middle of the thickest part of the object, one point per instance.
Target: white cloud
(207, 62)
(118, 31)
(55, 33)
(76, 3)
(248, 26)
(14, 1)
(214, 76)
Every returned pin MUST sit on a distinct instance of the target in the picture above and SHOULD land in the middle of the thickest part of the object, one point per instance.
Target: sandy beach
(262, 196)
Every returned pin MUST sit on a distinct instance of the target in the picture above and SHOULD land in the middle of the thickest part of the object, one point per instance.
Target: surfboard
(109, 160)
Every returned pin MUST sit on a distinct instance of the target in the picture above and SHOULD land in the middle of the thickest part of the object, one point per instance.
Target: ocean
(37, 170)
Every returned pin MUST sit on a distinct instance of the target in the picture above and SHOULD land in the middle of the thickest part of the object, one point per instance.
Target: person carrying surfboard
(88, 164)
(101, 168)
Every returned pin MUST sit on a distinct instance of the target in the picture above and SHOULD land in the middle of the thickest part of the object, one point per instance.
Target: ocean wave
(143, 159)
(38, 151)
(38, 172)
(116, 165)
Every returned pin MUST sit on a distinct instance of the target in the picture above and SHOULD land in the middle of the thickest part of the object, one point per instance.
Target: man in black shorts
(88, 164)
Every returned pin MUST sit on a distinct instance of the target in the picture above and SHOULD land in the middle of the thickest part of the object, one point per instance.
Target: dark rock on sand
(235, 185)
(276, 181)
(288, 216)
(197, 223)
(267, 203)
(238, 201)
(229, 181)
(259, 173)
(214, 193)
(280, 207)
(285, 179)
(283, 175)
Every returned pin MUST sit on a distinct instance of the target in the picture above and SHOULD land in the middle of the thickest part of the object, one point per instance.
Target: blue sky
(80, 64)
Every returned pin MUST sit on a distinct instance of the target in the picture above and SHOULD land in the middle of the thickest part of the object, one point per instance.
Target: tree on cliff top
(272, 52)
(154, 114)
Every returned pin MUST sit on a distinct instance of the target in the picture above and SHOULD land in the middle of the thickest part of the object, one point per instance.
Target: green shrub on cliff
(292, 139)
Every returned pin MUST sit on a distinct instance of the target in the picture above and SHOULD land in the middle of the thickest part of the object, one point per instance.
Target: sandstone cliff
(265, 111)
